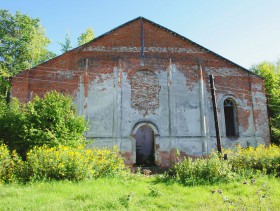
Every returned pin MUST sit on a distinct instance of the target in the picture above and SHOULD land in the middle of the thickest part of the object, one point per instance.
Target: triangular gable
(133, 29)
(136, 24)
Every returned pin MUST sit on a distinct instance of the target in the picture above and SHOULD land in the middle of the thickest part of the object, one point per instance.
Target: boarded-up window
(145, 91)
(230, 117)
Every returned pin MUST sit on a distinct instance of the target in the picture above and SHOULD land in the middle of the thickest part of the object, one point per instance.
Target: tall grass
(241, 163)
(251, 160)
(201, 171)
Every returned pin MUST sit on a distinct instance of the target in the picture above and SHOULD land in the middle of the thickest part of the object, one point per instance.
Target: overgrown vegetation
(251, 161)
(78, 163)
(201, 171)
(59, 163)
(241, 163)
(247, 180)
(50, 121)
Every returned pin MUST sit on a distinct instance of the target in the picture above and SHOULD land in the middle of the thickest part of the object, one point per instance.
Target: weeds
(250, 161)
(60, 163)
(126, 200)
(242, 163)
(154, 191)
(201, 171)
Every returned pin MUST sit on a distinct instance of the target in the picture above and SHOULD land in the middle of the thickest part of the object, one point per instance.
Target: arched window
(230, 117)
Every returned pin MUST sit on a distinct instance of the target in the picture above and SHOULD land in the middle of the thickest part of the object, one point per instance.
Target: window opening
(230, 117)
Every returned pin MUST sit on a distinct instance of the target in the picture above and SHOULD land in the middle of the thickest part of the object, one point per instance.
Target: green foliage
(73, 163)
(66, 46)
(135, 194)
(249, 161)
(50, 121)
(86, 37)
(59, 163)
(22, 45)
(53, 121)
(5, 162)
(12, 119)
(241, 162)
(201, 171)
(271, 73)
(11, 165)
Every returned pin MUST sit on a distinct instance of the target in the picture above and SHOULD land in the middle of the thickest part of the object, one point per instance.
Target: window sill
(232, 137)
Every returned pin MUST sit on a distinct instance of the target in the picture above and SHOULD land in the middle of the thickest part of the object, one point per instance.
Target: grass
(140, 193)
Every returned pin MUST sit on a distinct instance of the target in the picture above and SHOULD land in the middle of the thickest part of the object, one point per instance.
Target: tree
(86, 37)
(50, 121)
(66, 46)
(271, 74)
(23, 44)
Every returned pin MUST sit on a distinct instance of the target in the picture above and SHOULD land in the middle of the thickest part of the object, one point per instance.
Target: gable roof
(171, 32)
(80, 48)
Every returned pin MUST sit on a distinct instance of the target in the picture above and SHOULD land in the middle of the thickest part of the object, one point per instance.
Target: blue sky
(244, 31)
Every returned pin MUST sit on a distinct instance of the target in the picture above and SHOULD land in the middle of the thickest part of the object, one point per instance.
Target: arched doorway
(145, 152)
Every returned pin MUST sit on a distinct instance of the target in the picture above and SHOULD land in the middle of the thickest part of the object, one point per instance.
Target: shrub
(58, 163)
(50, 121)
(241, 162)
(5, 164)
(106, 162)
(261, 159)
(12, 121)
(11, 165)
(53, 121)
(201, 171)
(69, 163)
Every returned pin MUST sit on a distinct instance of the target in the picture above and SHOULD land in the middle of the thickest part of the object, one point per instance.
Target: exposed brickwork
(144, 91)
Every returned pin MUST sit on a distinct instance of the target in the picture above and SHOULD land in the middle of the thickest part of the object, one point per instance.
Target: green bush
(251, 160)
(12, 120)
(106, 162)
(50, 121)
(241, 162)
(11, 165)
(5, 164)
(201, 171)
(76, 164)
(60, 163)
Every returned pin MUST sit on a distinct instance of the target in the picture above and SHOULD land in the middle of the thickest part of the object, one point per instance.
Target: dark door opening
(145, 146)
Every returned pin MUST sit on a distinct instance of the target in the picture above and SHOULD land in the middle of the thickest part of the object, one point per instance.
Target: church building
(146, 89)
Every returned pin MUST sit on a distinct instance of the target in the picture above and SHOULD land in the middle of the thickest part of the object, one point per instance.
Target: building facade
(146, 89)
